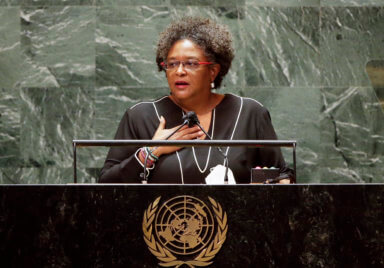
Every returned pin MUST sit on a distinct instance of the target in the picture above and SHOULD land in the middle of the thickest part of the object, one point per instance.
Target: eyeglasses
(189, 65)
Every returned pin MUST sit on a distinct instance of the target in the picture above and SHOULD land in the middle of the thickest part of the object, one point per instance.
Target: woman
(195, 54)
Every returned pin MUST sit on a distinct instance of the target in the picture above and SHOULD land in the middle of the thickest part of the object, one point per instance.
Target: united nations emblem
(183, 230)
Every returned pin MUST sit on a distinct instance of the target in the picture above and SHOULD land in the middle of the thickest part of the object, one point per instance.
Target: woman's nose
(180, 69)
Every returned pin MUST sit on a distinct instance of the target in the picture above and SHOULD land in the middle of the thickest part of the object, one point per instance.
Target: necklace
(209, 150)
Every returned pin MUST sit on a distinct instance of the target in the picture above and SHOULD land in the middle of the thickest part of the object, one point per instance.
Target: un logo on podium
(184, 230)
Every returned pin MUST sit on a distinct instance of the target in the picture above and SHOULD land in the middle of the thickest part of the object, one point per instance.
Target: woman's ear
(215, 69)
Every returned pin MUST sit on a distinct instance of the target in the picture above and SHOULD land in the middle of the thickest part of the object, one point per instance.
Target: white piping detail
(161, 99)
(154, 106)
(138, 104)
(209, 150)
(181, 168)
(237, 121)
(150, 102)
(254, 101)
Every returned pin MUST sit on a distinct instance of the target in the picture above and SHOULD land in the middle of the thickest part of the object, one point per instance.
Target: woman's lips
(181, 84)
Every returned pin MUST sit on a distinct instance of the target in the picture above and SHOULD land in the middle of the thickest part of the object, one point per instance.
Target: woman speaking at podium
(195, 54)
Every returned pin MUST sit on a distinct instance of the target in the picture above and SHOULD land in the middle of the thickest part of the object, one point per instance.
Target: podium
(267, 225)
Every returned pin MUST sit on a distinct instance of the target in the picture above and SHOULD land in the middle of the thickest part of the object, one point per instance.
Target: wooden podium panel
(267, 225)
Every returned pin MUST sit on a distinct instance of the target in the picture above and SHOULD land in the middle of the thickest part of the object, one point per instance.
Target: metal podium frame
(184, 143)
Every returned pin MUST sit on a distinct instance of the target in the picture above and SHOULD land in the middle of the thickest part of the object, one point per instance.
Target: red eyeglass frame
(199, 62)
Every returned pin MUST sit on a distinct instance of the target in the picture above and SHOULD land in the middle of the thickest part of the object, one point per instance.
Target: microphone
(191, 119)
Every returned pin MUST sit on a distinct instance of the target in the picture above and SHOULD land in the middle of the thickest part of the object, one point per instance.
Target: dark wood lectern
(267, 225)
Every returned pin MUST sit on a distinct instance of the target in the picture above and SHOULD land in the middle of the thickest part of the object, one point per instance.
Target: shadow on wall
(375, 71)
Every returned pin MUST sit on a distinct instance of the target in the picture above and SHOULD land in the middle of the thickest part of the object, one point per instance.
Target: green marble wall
(69, 69)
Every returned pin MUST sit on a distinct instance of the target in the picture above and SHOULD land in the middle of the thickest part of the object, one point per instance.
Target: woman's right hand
(185, 133)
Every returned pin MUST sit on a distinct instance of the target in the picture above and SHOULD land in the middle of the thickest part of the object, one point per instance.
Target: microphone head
(191, 118)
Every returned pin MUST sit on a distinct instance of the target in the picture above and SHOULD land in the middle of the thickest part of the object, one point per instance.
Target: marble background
(69, 69)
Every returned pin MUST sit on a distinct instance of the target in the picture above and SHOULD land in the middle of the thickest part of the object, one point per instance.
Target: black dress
(234, 118)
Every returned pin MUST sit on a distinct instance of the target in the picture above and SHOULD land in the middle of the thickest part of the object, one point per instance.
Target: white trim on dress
(237, 121)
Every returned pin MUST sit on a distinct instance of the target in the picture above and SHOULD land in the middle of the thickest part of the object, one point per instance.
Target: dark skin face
(190, 87)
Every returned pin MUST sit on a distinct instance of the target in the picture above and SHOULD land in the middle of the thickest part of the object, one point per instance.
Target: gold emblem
(183, 230)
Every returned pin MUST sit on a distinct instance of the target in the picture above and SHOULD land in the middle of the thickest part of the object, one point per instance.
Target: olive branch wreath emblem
(166, 257)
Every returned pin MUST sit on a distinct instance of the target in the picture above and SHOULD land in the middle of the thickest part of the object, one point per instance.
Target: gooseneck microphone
(191, 119)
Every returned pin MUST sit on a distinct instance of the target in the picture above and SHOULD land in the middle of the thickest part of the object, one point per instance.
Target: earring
(212, 85)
